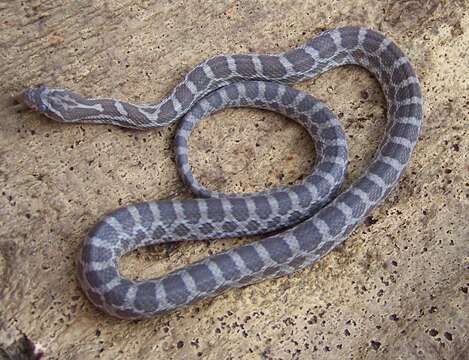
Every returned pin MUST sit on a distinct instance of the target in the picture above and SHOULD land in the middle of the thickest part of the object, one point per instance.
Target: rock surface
(396, 289)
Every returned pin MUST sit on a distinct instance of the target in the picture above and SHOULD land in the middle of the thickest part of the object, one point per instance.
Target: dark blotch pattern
(146, 215)
(198, 78)
(93, 253)
(219, 67)
(279, 250)
(373, 191)
(271, 92)
(184, 95)
(215, 210)
(202, 276)
(145, 298)
(300, 61)
(214, 100)
(355, 203)
(325, 46)
(176, 291)
(245, 65)
(283, 201)
(191, 211)
(250, 257)
(118, 293)
(167, 212)
(232, 92)
(263, 209)
(401, 73)
(167, 110)
(104, 231)
(385, 172)
(307, 236)
(396, 151)
(334, 218)
(287, 99)
(227, 266)
(252, 91)
(239, 209)
(101, 277)
(124, 217)
(272, 67)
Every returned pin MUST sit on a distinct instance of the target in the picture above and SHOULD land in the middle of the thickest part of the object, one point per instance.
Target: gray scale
(305, 221)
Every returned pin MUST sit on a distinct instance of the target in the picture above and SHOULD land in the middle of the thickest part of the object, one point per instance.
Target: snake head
(33, 98)
(47, 101)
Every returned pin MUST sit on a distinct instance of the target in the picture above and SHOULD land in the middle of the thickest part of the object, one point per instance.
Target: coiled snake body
(317, 218)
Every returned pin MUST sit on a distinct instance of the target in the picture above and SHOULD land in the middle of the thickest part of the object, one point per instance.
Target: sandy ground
(396, 289)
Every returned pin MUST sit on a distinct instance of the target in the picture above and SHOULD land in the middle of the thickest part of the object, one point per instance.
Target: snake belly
(317, 216)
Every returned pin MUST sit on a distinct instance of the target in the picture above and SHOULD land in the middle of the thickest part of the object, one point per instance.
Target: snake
(300, 223)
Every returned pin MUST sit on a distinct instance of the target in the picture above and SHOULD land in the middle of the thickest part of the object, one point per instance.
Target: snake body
(316, 216)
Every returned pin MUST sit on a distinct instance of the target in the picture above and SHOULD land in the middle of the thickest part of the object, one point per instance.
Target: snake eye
(42, 107)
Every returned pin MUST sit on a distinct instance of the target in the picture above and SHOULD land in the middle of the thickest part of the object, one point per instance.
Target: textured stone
(397, 280)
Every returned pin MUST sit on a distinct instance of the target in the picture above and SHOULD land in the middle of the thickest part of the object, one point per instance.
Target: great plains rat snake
(318, 219)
